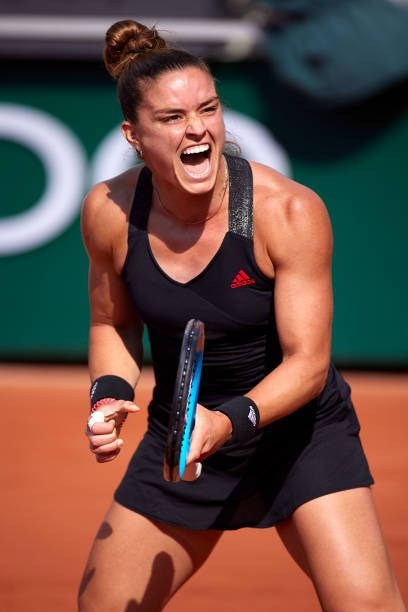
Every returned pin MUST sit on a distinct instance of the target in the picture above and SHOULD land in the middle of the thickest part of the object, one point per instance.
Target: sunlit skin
(334, 538)
(181, 109)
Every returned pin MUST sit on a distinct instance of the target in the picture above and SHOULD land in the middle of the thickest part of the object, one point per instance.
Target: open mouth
(196, 160)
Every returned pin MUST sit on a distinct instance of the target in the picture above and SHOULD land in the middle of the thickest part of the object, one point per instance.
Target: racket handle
(192, 472)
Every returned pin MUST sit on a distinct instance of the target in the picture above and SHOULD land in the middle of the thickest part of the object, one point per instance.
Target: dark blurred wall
(120, 8)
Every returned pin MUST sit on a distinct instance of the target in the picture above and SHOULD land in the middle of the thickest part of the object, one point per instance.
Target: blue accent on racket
(185, 397)
(190, 413)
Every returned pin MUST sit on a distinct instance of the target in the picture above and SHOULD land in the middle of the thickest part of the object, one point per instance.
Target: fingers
(106, 449)
(101, 439)
(192, 472)
(105, 443)
(197, 436)
(120, 407)
(196, 445)
(108, 457)
(201, 447)
(116, 411)
(211, 431)
(103, 428)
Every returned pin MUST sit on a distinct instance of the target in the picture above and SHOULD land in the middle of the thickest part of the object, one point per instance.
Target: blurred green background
(355, 157)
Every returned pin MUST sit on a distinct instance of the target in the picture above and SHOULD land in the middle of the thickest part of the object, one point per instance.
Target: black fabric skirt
(312, 452)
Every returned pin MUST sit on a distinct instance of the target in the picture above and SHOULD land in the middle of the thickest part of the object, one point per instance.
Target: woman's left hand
(212, 429)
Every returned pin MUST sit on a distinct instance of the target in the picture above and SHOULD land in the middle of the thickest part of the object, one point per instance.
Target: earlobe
(128, 131)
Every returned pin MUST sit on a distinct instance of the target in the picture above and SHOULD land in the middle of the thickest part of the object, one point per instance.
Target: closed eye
(210, 109)
(171, 118)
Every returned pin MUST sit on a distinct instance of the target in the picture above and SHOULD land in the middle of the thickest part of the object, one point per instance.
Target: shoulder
(288, 214)
(106, 208)
(281, 196)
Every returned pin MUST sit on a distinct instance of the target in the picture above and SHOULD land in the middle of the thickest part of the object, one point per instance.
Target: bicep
(101, 228)
(109, 299)
(303, 287)
(115, 340)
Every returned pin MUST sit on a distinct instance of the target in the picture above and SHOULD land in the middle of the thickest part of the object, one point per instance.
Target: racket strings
(180, 427)
(182, 414)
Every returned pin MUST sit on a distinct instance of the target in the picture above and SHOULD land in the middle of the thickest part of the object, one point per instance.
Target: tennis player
(196, 233)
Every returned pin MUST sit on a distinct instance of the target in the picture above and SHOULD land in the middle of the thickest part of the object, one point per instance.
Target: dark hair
(135, 53)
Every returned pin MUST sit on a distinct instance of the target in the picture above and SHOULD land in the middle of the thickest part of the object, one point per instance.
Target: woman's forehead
(180, 87)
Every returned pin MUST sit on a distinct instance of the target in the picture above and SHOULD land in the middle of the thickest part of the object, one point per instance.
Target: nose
(195, 126)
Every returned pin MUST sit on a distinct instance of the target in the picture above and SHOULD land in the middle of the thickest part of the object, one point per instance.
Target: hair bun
(127, 39)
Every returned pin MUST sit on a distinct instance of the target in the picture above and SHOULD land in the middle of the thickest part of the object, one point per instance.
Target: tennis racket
(183, 409)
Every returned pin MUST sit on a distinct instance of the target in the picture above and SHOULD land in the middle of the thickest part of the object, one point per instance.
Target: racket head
(185, 397)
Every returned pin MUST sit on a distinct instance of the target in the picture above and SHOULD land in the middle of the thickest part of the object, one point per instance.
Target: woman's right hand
(104, 429)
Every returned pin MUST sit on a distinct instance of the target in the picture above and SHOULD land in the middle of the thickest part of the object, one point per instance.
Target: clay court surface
(54, 496)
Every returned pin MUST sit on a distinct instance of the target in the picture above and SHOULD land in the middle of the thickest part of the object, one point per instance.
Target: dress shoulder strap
(240, 211)
(142, 201)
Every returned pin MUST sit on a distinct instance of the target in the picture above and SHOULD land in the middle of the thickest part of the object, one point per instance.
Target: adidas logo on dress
(241, 280)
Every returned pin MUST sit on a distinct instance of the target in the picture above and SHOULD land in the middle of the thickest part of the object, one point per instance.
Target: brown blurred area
(55, 495)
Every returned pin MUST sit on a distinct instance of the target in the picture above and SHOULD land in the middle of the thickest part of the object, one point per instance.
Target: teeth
(196, 149)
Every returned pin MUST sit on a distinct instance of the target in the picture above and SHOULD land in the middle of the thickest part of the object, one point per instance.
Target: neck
(192, 209)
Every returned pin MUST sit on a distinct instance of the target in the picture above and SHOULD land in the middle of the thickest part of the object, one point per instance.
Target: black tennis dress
(314, 451)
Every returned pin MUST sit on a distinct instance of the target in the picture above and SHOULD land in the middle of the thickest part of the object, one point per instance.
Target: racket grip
(192, 472)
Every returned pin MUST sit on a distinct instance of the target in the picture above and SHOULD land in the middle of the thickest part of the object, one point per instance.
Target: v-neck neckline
(194, 278)
(239, 215)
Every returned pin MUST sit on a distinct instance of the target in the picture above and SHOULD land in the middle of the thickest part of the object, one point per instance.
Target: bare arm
(300, 247)
(115, 338)
(115, 345)
(116, 331)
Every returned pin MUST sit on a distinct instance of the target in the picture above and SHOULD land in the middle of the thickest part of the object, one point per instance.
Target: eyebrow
(181, 110)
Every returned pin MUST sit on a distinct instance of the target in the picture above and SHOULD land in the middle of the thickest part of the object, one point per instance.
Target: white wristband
(96, 417)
